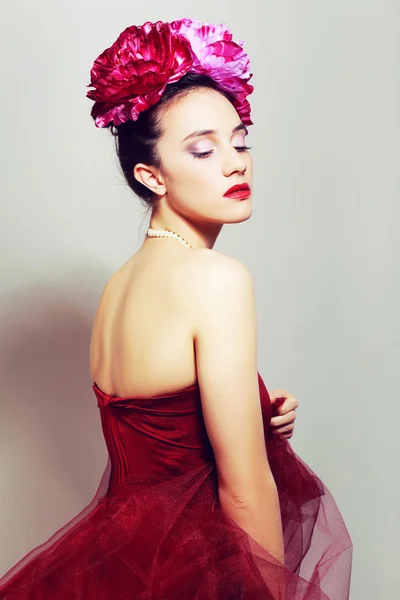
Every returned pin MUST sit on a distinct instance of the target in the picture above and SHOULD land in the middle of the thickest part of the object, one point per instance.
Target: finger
(284, 435)
(283, 420)
(277, 393)
(287, 431)
(288, 404)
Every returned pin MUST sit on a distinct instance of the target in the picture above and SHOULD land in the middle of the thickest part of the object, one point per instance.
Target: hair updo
(135, 141)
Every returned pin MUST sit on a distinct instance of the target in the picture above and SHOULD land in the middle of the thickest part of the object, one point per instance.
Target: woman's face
(202, 156)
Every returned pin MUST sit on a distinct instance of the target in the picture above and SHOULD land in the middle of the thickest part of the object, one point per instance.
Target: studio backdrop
(322, 244)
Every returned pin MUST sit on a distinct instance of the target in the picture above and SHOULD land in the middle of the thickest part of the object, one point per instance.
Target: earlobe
(150, 177)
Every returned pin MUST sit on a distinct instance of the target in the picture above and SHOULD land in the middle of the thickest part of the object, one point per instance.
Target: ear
(150, 177)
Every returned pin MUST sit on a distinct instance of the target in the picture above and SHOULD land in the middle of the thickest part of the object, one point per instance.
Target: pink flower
(218, 56)
(132, 74)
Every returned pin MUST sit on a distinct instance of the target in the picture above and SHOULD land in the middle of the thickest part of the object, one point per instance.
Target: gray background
(322, 245)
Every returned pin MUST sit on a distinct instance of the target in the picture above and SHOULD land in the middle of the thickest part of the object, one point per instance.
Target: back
(142, 337)
(170, 317)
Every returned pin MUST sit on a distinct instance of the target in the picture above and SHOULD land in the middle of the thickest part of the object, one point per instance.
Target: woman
(201, 500)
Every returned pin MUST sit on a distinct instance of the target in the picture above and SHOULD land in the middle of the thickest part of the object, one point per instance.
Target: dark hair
(135, 141)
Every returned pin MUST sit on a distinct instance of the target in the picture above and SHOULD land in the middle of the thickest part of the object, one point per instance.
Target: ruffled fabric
(160, 533)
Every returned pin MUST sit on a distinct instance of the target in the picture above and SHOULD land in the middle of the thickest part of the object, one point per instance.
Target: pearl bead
(166, 233)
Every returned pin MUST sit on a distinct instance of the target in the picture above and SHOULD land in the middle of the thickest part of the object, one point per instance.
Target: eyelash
(205, 154)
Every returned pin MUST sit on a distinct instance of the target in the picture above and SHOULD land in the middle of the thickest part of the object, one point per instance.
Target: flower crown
(133, 73)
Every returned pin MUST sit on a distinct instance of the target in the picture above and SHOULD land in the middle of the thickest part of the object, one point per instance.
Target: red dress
(155, 530)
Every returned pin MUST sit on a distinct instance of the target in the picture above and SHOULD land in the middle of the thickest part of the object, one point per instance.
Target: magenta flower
(132, 74)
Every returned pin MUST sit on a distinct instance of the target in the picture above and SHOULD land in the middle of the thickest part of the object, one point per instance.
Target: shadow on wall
(52, 448)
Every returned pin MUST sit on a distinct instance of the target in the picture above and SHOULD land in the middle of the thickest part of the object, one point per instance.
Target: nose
(234, 162)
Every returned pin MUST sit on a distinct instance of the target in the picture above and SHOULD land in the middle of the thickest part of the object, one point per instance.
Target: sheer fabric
(155, 529)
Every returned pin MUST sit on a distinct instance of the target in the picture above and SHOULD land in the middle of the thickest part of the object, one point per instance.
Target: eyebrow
(201, 132)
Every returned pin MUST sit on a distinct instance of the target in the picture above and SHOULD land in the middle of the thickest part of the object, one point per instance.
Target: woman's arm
(225, 340)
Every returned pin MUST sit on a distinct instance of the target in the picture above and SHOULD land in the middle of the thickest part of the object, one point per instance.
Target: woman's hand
(283, 412)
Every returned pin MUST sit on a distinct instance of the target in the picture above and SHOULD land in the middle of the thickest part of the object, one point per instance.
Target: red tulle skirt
(171, 540)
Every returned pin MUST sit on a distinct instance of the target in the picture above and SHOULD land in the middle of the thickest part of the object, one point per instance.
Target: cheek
(194, 188)
(195, 175)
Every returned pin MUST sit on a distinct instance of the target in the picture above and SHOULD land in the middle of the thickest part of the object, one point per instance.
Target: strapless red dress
(155, 529)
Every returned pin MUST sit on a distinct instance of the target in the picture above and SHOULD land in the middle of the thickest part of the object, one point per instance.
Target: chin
(242, 212)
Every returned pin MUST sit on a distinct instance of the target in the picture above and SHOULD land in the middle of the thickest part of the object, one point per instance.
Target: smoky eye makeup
(201, 154)
(201, 151)
(205, 154)
(200, 147)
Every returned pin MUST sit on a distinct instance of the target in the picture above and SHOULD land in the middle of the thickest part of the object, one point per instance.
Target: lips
(242, 189)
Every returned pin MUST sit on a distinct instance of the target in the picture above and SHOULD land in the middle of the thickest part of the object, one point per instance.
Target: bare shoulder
(208, 256)
(208, 267)
(214, 280)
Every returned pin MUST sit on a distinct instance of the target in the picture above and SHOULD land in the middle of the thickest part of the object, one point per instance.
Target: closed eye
(209, 152)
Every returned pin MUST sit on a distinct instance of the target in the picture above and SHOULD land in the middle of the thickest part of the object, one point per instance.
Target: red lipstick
(238, 191)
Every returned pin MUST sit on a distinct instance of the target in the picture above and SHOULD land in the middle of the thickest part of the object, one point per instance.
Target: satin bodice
(159, 437)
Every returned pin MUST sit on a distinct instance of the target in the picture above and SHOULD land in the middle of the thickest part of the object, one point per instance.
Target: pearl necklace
(166, 233)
